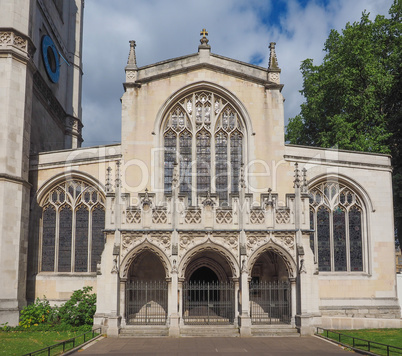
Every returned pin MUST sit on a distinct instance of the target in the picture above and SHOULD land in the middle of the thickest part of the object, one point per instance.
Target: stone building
(204, 216)
(40, 101)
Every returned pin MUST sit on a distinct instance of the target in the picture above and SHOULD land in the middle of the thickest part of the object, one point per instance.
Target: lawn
(391, 337)
(22, 342)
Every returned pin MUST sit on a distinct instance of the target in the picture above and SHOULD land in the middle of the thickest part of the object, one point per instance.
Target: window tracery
(200, 126)
(336, 216)
(73, 218)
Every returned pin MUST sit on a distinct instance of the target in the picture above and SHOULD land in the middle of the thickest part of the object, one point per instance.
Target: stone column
(173, 312)
(293, 296)
(245, 321)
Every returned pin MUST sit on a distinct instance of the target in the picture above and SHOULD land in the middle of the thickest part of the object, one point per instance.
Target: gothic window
(200, 126)
(73, 218)
(336, 214)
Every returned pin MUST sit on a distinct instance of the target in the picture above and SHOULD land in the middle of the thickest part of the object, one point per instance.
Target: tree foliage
(353, 99)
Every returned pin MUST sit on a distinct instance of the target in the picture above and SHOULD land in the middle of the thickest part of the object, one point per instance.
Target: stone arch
(66, 176)
(335, 177)
(206, 262)
(203, 85)
(136, 251)
(290, 263)
(208, 246)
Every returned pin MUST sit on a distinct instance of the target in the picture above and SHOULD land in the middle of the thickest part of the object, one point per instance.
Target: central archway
(208, 290)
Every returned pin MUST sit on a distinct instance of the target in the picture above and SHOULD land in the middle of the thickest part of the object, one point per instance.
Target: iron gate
(146, 302)
(270, 303)
(208, 303)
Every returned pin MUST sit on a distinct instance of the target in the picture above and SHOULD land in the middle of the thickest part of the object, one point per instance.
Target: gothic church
(202, 216)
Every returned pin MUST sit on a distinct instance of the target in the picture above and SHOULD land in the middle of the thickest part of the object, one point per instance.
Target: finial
(273, 62)
(204, 40)
(132, 60)
(297, 176)
(108, 185)
(117, 176)
(304, 186)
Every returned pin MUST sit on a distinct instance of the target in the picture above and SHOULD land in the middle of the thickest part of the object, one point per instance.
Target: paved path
(187, 346)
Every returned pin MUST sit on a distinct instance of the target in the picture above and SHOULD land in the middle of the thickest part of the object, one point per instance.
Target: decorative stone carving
(159, 216)
(133, 216)
(224, 216)
(282, 216)
(192, 216)
(287, 239)
(255, 240)
(257, 216)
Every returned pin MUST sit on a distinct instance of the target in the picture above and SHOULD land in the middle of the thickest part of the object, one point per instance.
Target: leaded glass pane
(81, 239)
(48, 238)
(98, 224)
(323, 240)
(203, 161)
(221, 168)
(339, 226)
(312, 228)
(170, 157)
(185, 164)
(65, 223)
(236, 159)
(355, 238)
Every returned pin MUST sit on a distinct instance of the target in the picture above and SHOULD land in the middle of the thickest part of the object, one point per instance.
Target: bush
(37, 313)
(77, 312)
(80, 309)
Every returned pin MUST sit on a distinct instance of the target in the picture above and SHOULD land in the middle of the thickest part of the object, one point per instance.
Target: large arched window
(72, 222)
(204, 133)
(336, 216)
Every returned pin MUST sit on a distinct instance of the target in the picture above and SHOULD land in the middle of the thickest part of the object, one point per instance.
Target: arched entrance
(270, 290)
(146, 291)
(208, 291)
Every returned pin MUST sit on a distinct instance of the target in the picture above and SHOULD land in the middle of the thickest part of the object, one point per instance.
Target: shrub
(80, 309)
(37, 313)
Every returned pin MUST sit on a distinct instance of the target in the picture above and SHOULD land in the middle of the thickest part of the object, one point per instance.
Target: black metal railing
(208, 303)
(146, 302)
(356, 343)
(270, 303)
(65, 345)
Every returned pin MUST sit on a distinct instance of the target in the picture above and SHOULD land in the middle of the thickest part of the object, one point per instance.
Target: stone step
(144, 331)
(209, 331)
(274, 331)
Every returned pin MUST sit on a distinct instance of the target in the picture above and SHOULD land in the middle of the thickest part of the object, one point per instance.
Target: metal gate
(146, 302)
(208, 303)
(270, 303)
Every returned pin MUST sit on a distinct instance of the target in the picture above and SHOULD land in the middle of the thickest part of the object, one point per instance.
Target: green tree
(353, 99)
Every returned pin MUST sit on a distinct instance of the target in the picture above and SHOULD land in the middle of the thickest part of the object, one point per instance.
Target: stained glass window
(199, 125)
(77, 239)
(65, 237)
(203, 161)
(170, 157)
(221, 167)
(339, 226)
(48, 238)
(355, 236)
(98, 224)
(323, 241)
(185, 164)
(337, 212)
(81, 239)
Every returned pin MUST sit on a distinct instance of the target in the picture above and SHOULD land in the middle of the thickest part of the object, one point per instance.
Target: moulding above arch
(336, 177)
(272, 246)
(66, 176)
(136, 251)
(203, 85)
(208, 246)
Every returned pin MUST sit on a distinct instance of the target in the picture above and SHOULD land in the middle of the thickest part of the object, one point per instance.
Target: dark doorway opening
(203, 275)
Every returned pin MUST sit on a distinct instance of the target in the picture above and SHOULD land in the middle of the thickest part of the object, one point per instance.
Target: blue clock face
(50, 59)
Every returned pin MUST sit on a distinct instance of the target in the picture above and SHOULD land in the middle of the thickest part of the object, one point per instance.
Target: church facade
(204, 216)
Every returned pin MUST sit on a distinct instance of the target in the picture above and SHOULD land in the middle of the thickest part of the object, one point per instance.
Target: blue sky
(239, 29)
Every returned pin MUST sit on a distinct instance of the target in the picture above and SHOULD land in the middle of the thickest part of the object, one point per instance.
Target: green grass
(391, 337)
(22, 342)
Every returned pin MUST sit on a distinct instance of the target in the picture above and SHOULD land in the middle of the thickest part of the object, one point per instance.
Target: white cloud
(167, 29)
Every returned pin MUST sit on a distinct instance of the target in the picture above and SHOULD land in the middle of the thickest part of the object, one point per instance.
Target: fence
(62, 345)
(359, 344)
